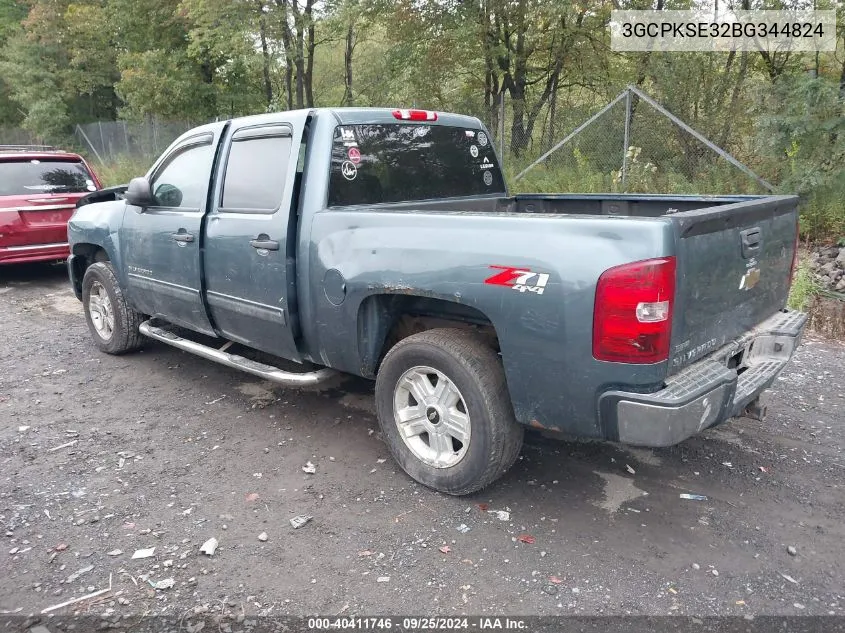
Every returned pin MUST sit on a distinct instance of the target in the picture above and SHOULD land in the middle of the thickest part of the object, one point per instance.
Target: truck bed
(734, 252)
(622, 205)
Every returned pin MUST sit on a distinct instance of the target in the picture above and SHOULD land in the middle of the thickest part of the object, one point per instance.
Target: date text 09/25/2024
(416, 623)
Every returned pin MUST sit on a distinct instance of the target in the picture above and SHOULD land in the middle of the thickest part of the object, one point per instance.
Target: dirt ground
(102, 456)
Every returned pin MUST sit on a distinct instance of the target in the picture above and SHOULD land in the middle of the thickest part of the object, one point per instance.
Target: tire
(113, 324)
(483, 414)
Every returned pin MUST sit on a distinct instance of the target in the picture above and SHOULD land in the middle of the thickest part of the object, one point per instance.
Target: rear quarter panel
(545, 339)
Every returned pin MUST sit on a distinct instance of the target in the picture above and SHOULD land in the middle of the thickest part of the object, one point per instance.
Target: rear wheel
(444, 410)
(112, 322)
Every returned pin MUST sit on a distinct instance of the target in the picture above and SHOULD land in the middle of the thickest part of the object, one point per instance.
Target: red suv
(39, 187)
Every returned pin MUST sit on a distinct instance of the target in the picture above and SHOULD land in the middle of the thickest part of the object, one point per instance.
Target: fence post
(627, 140)
(90, 144)
(102, 138)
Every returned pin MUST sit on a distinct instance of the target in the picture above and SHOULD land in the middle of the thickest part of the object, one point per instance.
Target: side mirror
(139, 193)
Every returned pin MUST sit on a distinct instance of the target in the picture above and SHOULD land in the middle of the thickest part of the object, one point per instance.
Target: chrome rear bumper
(709, 391)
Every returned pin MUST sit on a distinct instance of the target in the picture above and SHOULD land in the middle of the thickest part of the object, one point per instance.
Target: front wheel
(112, 322)
(444, 410)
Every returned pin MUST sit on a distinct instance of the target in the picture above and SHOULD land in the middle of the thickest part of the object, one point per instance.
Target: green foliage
(532, 70)
(802, 126)
(804, 288)
(121, 171)
(163, 83)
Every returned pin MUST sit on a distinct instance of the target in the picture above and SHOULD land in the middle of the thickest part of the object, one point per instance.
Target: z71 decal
(519, 279)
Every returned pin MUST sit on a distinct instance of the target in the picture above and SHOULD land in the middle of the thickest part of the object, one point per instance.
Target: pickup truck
(385, 244)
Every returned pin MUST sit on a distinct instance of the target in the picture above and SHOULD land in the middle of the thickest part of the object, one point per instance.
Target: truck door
(161, 243)
(250, 245)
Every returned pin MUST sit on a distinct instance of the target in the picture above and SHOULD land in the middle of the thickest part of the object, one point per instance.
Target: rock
(841, 284)
(696, 566)
(828, 268)
(715, 572)
(550, 589)
(841, 256)
(832, 252)
(792, 551)
(263, 537)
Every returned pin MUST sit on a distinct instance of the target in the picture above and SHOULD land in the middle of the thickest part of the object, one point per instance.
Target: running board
(268, 372)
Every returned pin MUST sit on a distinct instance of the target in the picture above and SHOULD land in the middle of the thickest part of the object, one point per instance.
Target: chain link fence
(632, 144)
(111, 142)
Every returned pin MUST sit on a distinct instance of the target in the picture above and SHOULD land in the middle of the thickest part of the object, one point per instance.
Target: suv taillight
(632, 318)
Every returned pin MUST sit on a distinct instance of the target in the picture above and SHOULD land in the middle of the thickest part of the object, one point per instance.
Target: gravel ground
(102, 456)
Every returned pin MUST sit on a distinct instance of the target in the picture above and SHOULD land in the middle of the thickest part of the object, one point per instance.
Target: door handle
(264, 242)
(182, 237)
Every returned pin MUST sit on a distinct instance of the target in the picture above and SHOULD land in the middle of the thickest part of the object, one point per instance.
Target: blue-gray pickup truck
(385, 244)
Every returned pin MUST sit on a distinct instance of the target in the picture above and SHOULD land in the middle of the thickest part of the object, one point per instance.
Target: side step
(268, 372)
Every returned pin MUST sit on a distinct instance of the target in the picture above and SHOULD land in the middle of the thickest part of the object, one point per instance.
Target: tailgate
(734, 264)
(35, 221)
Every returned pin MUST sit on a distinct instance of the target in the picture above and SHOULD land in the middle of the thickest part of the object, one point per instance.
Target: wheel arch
(384, 319)
(82, 256)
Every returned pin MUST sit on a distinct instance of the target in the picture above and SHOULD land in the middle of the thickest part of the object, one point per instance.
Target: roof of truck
(381, 115)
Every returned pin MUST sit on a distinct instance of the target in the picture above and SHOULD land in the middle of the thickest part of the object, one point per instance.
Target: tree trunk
(265, 54)
(743, 69)
(348, 96)
(842, 77)
(308, 79)
(519, 141)
(518, 82)
(552, 129)
(287, 43)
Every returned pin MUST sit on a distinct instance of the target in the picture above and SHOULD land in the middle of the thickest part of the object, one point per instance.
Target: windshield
(405, 162)
(22, 177)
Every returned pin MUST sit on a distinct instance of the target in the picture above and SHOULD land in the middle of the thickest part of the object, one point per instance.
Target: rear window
(402, 162)
(22, 177)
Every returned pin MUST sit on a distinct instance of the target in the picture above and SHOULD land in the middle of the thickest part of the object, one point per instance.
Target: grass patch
(122, 171)
(804, 288)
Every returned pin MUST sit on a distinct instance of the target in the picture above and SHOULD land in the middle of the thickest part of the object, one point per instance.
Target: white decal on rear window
(349, 170)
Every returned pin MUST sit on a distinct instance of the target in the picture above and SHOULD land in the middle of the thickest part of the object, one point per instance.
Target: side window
(256, 172)
(183, 180)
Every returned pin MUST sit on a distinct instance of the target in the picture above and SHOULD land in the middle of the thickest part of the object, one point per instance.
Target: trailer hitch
(755, 410)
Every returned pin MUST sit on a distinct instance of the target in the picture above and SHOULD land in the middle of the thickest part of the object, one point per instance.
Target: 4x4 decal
(520, 279)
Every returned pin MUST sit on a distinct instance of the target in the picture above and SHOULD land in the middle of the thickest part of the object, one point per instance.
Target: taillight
(415, 115)
(632, 318)
(794, 264)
